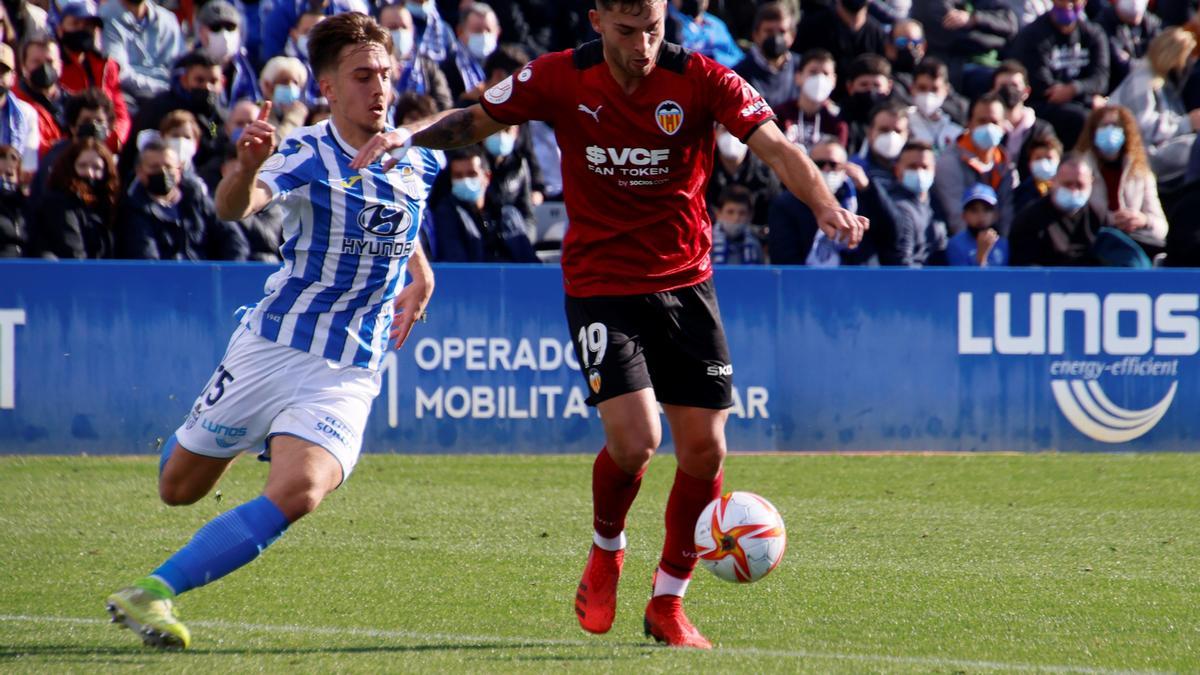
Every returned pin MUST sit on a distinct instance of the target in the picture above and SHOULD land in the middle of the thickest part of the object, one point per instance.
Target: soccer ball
(740, 537)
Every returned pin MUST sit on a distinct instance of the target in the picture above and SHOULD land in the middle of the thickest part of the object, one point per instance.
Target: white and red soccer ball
(740, 537)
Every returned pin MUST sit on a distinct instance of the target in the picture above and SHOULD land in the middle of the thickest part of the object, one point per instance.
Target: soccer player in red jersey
(635, 117)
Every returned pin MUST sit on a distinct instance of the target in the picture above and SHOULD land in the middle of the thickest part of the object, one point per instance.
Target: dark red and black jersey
(635, 166)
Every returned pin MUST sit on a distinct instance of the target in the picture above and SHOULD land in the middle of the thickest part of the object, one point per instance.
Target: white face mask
(732, 230)
(929, 102)
(481, 45)
(888, 144)
(302, 47)
(185, 149)
(817, 87)
(834, 180)
(1132, 8)
(223, 44)
(402, 42)
(730, 147)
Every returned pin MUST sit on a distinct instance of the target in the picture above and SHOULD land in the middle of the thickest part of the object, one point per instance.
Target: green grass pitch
(1035, 563)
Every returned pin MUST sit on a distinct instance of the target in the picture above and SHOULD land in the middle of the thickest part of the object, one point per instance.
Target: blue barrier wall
(106, 357)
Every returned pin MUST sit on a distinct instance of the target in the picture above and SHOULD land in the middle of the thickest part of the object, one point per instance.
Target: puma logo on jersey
(594, 113)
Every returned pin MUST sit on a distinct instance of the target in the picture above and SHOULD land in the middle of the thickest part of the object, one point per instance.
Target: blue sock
(165, 451)
(226, 543)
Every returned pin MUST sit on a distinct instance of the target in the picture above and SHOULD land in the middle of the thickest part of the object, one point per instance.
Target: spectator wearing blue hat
(86, 67)
(219, 28)
(145, 39)
(978, 245)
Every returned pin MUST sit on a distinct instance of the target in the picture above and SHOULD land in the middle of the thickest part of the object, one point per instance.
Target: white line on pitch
(931, 661)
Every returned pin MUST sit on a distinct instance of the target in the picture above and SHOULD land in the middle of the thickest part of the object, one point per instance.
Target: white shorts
(263, 389)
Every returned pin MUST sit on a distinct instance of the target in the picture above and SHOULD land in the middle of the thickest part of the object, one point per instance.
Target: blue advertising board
(107, 357)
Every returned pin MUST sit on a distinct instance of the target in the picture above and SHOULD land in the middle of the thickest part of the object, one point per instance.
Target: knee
(177, 494)
(702, 459)
(632, 450)
(298, 501)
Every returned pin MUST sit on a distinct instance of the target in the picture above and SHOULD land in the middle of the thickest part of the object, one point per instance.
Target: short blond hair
(1170, 51)
(280, 65)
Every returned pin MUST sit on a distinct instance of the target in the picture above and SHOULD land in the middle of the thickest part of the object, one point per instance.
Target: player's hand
(410, 308)
(380, 144)
(843, 226)
(257, 142)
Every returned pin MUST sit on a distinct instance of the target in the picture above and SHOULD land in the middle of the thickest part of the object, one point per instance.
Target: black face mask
(203, 101)
(80, 40)
(160, 184)
(775, 46)
(853, 6)
(690, 8)
(1010, 95)
(43, 77)
(906, 61)
(3, 90)
(858, 106)
(90, 129)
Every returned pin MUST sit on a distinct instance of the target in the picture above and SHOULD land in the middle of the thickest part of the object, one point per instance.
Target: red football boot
(596, 599)
(666, 622)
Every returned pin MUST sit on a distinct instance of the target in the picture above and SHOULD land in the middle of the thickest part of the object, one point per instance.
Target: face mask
(1070, 201)
(888, 145)
(1011, 96)
(93, 183)
(730, 147)
(1044, 169)
(500, 145)
(9, 188)
(481, 45)
(987, 136)
(417, 9)
(818, 87)
(160, 184)
(859, 106)
(1064, 17)
(3, 90)
(732, 230)
(1109, 140)
(1132, 8)
(775, 46)
(854, 6)
(223, 44)
(834, 180)
(906, 61)
(185, 148)
(402, 42)
(285, 94)
(929, 102)
(236, 134)
(467, 189)
(302, 47)
(690, 8)
(204, 101)
(917, 181)
(43, 77)
(80, 41)
(91, 129)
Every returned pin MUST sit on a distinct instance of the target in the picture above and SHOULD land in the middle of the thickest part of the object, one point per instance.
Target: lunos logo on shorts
(1116, 341)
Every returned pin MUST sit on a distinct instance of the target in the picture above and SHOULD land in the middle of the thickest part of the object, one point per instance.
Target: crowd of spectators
(970, 132)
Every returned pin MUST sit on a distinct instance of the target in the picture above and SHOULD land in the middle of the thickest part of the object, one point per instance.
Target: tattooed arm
(444, 131)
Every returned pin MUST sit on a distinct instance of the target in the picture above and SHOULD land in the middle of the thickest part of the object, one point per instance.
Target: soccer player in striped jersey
(302, 369)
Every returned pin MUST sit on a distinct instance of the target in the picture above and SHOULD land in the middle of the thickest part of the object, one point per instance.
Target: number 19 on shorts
(593, 341)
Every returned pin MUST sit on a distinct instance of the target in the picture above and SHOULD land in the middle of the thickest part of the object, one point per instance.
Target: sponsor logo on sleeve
(501, 92)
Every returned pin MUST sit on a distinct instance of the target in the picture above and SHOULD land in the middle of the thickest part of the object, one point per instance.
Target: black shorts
(672, 341)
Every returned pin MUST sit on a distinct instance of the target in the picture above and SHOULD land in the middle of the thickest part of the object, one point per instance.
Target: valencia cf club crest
(669, 116)
(594, 380)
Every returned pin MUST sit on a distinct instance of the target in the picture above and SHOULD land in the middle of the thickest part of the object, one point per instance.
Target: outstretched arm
(446, 130)
(804, 180)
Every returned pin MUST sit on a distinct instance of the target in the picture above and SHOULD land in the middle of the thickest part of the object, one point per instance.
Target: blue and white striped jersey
(347, 238)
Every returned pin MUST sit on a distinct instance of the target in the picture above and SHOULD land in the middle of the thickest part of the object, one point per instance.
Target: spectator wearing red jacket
(85, 66)
(41, 68)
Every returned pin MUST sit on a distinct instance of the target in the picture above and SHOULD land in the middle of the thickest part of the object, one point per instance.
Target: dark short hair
(468, 153)
(868, 64)
(889, 106)
(88, 99)
(328, 38)
(193, 59)
(736, 193)
(1010, 67)
(932, 66)
(817, 55)
(411, 101)
(153, 145)
(916, 146)
(508, 59)
(771, 11)
(38, 37)
(985, 99)
(627, 4)
(1045, 142)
